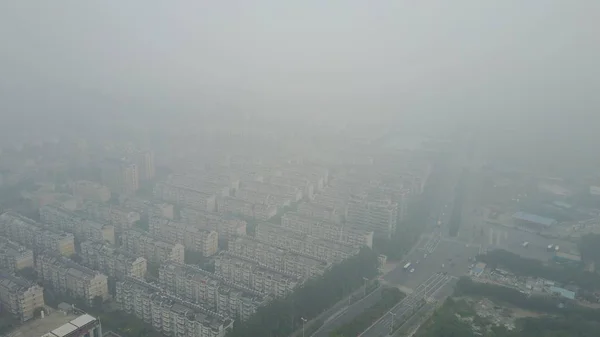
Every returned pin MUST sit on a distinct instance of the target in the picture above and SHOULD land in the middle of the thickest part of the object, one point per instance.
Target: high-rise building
(144, 161)
(121, 176)
(380, 217)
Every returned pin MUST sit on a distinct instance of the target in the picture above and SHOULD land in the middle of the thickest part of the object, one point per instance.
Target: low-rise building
(191, 237)
(19, 296)
(34, 235)
(112, 262)
(71, 278)
(186, 196)
(297, 242)
(282, 260)
(73, 222)
(291, 192)
(226, 225)
(171, 315)
(14, 256)
(154, 249)
(323, 229)
(88, 190)
(210, 290)
(254, 276)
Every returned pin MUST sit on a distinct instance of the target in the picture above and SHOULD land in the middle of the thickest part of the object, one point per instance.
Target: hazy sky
(517, 62)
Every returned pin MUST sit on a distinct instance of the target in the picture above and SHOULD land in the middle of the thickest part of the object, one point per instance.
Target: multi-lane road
(425, 292)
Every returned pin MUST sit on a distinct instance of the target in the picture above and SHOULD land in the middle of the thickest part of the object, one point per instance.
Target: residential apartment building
(76, 223)
(111, 261)
(34, 235)
(147, 207)
(254, 276)
(323, 229)
(210, 290)
(88, 190)
(14, 256)
(19, 296)
(173, 316)
(264, 212)
(120, 176)
(302, 184)
(186, 196)
(71, 278)
(379, 217)
(319, 211)
(226, 225)
(237, 207)
(191, 237)
(121, 218)
(291, 192)
(297, 242)
(201, 183)
(152, 248)
(264, 198)
(279, 259)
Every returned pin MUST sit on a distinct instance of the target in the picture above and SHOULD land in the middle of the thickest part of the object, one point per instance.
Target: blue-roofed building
(562, 292)
(532, 219)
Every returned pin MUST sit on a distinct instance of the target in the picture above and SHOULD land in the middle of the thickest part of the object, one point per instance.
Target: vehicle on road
(443, 265)
(406, 266)
(550, 247)
(417, 262)
(525, 244)
(412, 270)
(556, 248)
(425, 256)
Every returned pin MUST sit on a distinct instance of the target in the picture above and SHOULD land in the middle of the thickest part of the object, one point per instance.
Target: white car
(425, 256)
(412, 270)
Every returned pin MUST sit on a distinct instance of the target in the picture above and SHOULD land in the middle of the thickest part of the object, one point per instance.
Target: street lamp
(303, 321)
(392, 325)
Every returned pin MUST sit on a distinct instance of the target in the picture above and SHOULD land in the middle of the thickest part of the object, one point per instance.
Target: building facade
(19, 296)
(326, 230)
(173, 316)
(254, 276)
(209, 290)
(34, 235)
(73, 222)
(192, 237)
(71, 278)
(14, 256)
(152, 248)
(111, 261)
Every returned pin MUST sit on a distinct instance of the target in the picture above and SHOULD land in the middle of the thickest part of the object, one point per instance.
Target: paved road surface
(425, 292)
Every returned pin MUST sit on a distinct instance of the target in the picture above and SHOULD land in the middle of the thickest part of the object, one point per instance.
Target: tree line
(281, 317)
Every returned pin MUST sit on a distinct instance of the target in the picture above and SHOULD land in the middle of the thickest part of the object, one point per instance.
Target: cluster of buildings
(72, 278)
(225, 225)
(34, 235)
(153, 248)
(14, 256)
(170, 314)
(210, 290)
(191, 237)
(112, 261)
(81, 226)
(19, 296)
(124, 169)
